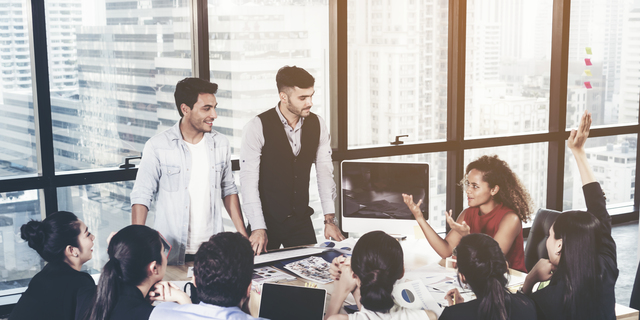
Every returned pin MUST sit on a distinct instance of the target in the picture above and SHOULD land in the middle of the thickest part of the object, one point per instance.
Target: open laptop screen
(283, 302)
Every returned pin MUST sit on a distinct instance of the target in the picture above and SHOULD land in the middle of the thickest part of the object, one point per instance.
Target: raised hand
(462, 228)
(414, 207)
(578, 137)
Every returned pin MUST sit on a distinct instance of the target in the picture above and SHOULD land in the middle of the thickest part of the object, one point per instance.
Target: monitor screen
(373, 190)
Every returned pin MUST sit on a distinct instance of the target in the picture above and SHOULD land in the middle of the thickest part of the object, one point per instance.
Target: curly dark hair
(223, 268)
(512, 193)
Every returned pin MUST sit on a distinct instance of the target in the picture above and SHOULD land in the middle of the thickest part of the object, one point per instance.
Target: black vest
(284, 178)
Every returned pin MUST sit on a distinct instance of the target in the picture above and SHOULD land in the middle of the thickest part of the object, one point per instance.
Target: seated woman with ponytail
(137, 262)
(65, 243)
(377, 262)
(582, 263)
(482, 265)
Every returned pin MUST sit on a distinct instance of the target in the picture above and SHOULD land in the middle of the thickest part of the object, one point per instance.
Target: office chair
(536, 242)
(635, 293)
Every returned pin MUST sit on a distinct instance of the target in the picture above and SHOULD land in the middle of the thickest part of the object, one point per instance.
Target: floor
(626, 237)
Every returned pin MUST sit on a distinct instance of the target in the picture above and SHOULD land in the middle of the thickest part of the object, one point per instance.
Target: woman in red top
(498, 204)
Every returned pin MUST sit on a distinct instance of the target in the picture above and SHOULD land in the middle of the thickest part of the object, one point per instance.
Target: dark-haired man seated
(222, 272)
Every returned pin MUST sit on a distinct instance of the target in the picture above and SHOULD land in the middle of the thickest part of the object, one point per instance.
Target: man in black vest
(278, 148)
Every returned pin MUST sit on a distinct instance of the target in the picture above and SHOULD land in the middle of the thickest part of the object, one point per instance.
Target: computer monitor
(372, 195)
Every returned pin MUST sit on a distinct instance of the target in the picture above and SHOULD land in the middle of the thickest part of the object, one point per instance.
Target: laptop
(284, 302)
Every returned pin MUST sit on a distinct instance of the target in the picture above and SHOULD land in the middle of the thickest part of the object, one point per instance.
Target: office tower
(630, 73)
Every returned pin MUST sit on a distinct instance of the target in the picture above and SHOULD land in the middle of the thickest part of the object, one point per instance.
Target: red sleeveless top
(488, 224)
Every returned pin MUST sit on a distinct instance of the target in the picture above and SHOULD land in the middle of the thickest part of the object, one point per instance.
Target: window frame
(47, 180)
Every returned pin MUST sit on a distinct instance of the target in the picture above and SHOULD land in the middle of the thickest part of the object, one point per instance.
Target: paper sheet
(415, 295)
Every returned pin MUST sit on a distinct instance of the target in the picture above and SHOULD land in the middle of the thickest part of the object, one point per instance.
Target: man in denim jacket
(186, 169)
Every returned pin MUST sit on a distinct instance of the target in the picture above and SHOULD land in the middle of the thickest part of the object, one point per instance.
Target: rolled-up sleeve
(250, 153)
(324, 171)
(147, 178)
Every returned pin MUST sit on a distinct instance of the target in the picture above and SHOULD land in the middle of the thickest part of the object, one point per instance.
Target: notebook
(283, 302)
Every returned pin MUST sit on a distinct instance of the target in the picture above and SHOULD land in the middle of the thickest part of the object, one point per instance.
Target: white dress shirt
(251, 151)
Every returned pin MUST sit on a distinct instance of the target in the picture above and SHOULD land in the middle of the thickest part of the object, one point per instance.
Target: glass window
(104, 208)
(18, 262)
(397, 69)
(613, 160)
(507, 68)
(107, 81)
(528, 162)
(17, 127)
(249, 41)
(604, 62)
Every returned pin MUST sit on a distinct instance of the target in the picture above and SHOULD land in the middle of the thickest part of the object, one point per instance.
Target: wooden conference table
(417, 253)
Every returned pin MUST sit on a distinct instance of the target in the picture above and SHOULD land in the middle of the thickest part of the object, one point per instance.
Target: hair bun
(32, 232)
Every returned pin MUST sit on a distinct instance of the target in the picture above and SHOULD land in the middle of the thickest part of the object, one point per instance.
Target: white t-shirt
(200, 216)
(396, 313)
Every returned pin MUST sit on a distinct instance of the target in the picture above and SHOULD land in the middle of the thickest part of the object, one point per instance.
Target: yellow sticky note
(588, 50)
(588, 73)
(417, 232)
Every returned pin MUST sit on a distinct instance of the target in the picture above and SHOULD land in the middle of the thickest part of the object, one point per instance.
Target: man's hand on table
(259, 241)
(331, 230)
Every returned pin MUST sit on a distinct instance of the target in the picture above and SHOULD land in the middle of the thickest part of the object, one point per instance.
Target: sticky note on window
(588, 84)
(588, 73)
(588, 50)
(587, 62)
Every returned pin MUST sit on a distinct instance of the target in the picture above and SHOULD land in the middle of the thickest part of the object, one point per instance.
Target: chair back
(635, 293)
(537, 241)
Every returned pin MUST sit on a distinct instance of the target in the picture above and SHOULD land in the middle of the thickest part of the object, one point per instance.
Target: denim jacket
(164, 175)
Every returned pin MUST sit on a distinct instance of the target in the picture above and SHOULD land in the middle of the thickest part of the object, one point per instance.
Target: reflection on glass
(613, 160)
(249, 41)
(604, 61)
(507, 67)
(113, 66)
(17, 129)
(104, 208)
(18, 262)
(528, 162)
(397, 60)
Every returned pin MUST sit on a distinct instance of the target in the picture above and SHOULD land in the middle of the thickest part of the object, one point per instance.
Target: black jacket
(52, 293)
(549, 301)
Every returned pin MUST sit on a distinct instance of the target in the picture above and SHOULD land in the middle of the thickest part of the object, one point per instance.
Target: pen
(454, 298)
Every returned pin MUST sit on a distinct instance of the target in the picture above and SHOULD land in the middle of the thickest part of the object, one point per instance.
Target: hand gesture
(259, 241)
(454, 297)
(168, 292)
(348, 282)
(414, 207)
(336, 265)
(462, 228)
(332, 231)
(578, 137)
(542, 271)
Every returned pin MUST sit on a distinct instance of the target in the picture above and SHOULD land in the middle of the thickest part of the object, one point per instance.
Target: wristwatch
(333, 221)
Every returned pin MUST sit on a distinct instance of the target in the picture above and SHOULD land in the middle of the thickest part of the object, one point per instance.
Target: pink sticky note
(587, 61)
(587, 84)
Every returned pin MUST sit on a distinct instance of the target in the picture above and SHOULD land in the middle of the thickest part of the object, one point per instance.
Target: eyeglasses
(165, 245)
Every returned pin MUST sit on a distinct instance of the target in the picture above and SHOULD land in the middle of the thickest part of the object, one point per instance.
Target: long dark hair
(512, 193)
(51, 236)
(578, 266)
(130, 252)
(378, 261)
(483, 265)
